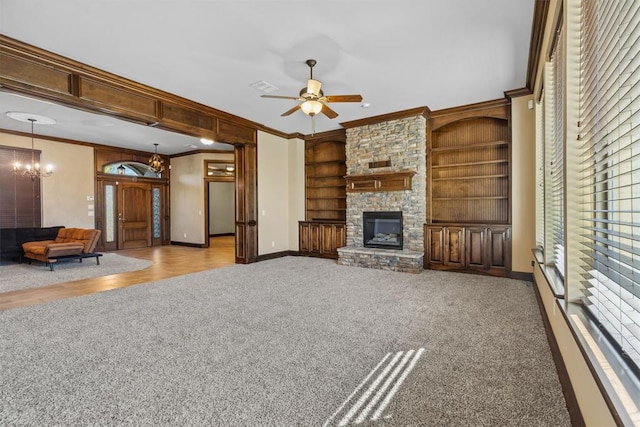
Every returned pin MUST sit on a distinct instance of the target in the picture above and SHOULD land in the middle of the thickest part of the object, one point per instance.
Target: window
(20, 203)
(540, 124)
(129, 168)
(554, 158)
(610, 160)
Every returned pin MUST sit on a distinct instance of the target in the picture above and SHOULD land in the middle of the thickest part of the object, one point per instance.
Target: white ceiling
(398, 54)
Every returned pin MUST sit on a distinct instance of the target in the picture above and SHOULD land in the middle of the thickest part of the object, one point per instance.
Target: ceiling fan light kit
(312, 100)
(311, 107)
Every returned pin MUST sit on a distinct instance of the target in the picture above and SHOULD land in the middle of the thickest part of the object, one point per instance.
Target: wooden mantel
(381, 181)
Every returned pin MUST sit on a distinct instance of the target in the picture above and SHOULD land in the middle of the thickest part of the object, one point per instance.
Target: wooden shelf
(462, 178)
(327, 186)
(471, 146)
(325, 176)
(481, 162)
(325, 162)
(472, 198)
(327, 198)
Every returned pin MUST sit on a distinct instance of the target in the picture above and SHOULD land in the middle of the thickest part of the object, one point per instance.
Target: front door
(134, 215)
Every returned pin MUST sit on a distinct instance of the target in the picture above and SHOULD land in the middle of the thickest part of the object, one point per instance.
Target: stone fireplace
(386, 172)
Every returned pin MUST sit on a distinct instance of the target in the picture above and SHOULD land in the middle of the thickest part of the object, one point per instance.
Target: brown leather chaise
(71, 243)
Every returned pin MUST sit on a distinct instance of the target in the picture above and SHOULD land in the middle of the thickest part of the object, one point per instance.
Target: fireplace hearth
(382, 229)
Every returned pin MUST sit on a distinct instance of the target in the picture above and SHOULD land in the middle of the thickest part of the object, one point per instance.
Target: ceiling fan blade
(313, 86)
(291, 111)
(328, 112)
(280, 97)
(343, 98)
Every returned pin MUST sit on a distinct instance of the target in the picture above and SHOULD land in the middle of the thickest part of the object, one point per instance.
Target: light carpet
(285, 342)
(21, 276)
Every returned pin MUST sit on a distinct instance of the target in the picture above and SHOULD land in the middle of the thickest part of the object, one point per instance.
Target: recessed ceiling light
(365, 105)
(206, 141)
(30, 118)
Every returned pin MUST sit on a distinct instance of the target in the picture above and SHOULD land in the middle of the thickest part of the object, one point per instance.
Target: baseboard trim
(276, 255)
(563, 375)
(191, 245)
(521, 275)
(222, 234)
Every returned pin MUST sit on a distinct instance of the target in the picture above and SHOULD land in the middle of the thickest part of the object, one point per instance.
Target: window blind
(540, 172)
(610, 161)
(20, 204)
(554, 159)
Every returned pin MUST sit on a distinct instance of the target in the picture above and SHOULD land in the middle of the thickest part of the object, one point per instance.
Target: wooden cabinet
(479, 248)
(321, 239)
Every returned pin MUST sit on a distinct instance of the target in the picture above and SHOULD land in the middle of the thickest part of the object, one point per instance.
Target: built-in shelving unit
(326, 197)
(468, 188)
(469, 173)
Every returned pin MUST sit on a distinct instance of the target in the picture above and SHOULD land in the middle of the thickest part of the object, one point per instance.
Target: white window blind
(554, 159)
(610, 160)
(540, 172)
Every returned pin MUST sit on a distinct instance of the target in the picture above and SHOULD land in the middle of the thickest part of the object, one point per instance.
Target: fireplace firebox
(382, 229)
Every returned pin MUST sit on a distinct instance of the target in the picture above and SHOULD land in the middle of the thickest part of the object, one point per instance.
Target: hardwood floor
(167, 261)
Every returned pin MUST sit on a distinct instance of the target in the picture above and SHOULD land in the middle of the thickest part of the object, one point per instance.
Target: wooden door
(303, 236)
(499, 250)
(476, 248)
(435, 245)
(314, 238)
(454, 247)
(134, 215)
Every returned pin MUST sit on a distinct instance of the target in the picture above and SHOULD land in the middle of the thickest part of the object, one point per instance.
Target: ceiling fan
(313, 100)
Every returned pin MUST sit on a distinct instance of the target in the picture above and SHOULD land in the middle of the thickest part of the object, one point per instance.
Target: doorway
(130, 214)
(220, 196)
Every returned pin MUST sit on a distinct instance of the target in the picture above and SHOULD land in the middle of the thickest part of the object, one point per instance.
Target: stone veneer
(403, 142)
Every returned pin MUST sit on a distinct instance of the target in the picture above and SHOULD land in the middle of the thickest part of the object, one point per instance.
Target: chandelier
(31, 170)
(156, 162)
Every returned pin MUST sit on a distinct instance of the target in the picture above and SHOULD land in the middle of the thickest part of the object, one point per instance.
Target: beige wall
(280, 192)
(523, 184)
(222, 209)
(297, 190)
(65, 193)
(187, 197)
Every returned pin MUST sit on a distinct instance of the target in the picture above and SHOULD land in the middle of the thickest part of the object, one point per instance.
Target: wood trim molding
(275, 255)
(563, 375)
(420, 111)
(331, 135)
(540, 12)
(45, 75)
(382, 181)
(515, 93)
(498, 108)
(86, 144)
